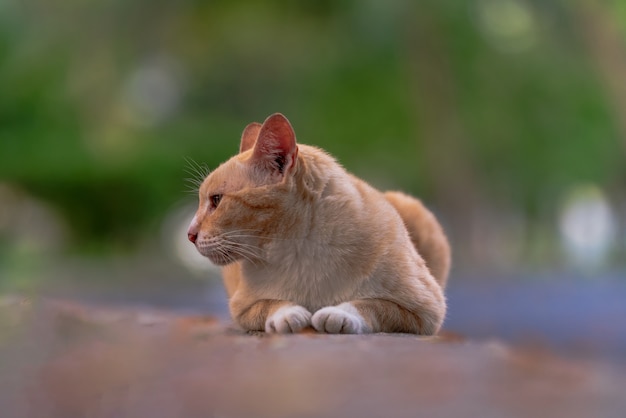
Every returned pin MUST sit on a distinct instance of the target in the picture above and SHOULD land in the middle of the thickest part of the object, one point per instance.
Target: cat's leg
(287, 319)
(269, 315)
(374, 315)
(341, 319)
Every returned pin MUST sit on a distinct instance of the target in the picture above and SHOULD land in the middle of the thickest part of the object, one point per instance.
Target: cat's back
(348, 214)
(341, 196)
(383, 217)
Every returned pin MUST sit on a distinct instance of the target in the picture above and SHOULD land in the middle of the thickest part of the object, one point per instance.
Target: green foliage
(80, 130)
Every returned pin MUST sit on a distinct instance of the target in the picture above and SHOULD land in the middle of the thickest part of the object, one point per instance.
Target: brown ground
(60, 359)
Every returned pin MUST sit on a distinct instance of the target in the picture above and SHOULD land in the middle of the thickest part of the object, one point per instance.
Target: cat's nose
(194, 228)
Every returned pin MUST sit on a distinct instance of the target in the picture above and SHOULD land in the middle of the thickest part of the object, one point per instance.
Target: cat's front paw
(340, 319)
(288, 319)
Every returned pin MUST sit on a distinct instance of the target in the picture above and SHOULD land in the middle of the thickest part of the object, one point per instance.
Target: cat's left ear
(249, 136)
(275, 146)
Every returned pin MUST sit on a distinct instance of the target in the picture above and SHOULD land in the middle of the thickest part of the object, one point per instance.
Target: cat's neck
(316, 174)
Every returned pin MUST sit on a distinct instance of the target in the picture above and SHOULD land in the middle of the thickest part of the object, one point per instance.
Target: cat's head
(246, 200)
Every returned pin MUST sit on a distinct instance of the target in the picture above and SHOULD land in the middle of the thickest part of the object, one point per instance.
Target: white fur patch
(288, 319)
(340, 319)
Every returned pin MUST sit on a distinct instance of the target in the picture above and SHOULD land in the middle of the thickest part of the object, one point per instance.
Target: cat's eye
(215, 199)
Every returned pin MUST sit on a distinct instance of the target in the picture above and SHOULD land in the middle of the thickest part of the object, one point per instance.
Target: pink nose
(192, 237)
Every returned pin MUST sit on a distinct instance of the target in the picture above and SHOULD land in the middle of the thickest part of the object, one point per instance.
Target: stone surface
(62, 359)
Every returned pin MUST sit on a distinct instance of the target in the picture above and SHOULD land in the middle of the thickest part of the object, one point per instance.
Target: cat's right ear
(249, 136)
(276, 147)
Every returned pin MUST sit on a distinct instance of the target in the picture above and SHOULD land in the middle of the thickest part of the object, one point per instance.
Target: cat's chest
(313, 285)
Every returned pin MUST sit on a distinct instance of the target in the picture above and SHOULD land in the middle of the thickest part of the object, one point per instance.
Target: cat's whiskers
(252, 249)
(247, 251)
(198, 173)
(247, 257)
(200, 170)
(229, 246)
(193, 185)
(270, 237)
(224, 253)
(252, 258)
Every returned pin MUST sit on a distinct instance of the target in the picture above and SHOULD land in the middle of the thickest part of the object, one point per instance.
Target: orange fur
(304, 243)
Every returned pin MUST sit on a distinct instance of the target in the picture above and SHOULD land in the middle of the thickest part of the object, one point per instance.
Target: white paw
(288, 319)
(340, 319)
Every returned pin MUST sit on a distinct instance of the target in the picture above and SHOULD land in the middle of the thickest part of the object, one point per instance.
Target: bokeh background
(507, 117)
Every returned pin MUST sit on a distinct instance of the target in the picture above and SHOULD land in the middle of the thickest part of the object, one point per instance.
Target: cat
(303, 243)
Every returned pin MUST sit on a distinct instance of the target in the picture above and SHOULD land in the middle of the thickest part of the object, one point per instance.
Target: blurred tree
(489, 109)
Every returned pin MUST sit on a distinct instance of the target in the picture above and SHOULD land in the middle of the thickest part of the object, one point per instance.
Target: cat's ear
(275, 146)
(249, 136)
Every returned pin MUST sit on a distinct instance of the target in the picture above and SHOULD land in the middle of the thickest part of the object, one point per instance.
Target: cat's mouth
(218, 255)
(221, 259)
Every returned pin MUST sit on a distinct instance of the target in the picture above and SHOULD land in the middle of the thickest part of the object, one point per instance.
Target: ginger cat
(304, 243)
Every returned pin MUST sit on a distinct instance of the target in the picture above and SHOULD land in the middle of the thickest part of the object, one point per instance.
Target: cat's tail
(426, 234)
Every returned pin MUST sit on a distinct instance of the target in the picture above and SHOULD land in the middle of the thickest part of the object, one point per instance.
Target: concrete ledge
(62, 359)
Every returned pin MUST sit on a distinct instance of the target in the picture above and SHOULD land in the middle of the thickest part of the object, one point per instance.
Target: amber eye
(215, 199)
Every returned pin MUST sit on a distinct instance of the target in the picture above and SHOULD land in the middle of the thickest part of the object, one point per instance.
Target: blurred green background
(508, 117)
